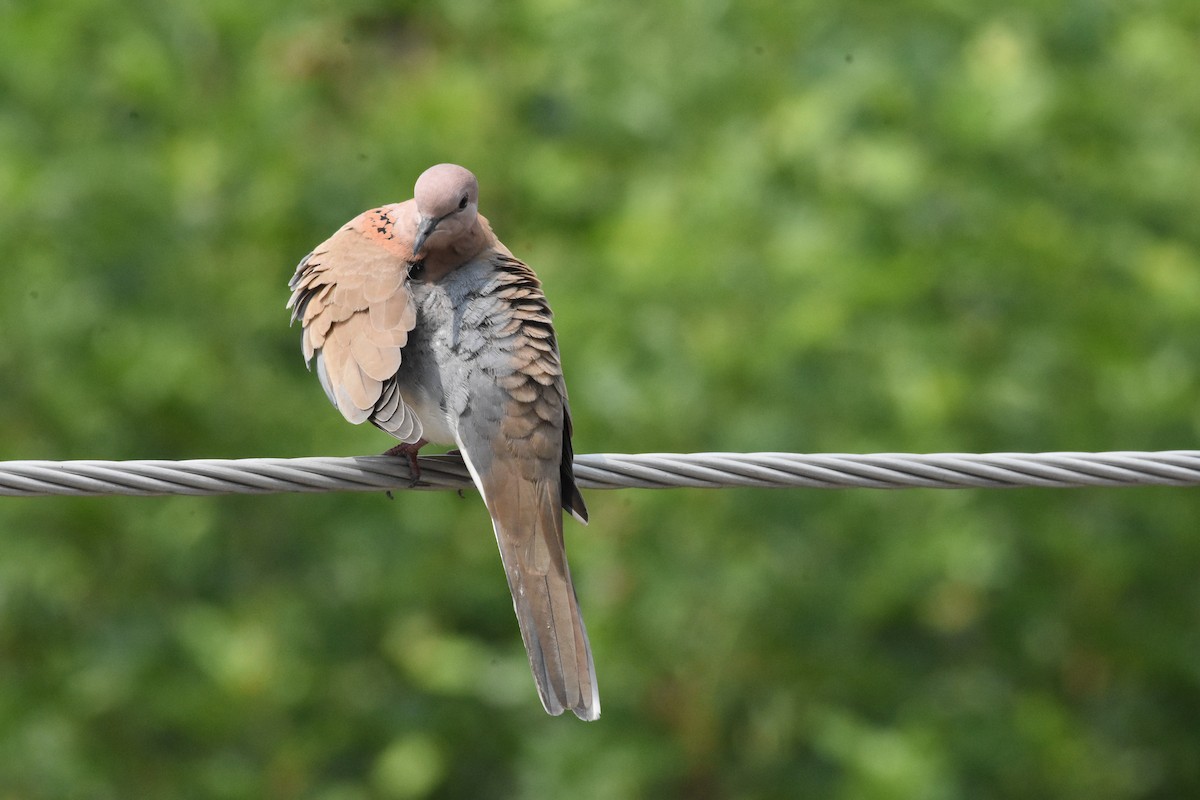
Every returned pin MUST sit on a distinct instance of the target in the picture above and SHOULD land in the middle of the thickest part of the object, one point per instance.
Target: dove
(421, 322)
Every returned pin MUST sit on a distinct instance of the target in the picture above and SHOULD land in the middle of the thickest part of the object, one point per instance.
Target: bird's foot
(409, 450)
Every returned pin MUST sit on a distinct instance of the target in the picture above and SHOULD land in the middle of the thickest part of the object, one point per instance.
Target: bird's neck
(463, 249)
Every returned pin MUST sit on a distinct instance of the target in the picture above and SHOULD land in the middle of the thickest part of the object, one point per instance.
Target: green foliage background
(858, 227)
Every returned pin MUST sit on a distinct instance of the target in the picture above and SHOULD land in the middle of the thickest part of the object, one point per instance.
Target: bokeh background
(800, 226)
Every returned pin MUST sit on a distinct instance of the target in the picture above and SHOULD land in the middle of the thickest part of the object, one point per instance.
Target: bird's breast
(421, 378)
(455, 354)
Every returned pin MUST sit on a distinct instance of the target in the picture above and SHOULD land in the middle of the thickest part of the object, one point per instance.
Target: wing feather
(351, 297)
(520, 461)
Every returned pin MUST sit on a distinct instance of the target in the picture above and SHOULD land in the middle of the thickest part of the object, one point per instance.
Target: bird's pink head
(447, 197)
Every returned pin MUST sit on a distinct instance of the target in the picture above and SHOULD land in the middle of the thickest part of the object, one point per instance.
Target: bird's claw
(409, 450)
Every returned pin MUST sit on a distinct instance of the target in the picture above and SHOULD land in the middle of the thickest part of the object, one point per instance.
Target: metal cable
(608, 471)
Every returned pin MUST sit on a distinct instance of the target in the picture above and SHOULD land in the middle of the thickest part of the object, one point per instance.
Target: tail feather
(527, 518)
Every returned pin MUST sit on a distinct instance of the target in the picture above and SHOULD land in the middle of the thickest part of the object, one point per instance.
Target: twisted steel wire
(609, 471)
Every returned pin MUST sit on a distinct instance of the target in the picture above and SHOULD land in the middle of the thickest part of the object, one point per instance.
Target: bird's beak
(424, 229)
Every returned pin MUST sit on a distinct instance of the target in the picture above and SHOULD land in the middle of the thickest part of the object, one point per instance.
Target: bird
(420, 321)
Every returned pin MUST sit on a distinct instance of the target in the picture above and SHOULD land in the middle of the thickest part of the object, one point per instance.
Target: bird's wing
(514, 436)
(351, 296)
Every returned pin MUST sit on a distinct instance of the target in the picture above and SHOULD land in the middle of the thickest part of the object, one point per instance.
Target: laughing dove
(421, 322)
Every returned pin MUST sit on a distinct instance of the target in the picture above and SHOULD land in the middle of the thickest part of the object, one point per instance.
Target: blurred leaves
(763, 226)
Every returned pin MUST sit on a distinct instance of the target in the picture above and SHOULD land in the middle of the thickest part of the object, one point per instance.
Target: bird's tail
(527, 517)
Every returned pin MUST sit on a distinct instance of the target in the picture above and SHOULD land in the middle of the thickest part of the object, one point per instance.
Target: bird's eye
(415, 270)
(462, 203)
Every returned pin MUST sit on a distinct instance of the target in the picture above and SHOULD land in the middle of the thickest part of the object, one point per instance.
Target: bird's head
(447, 197)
